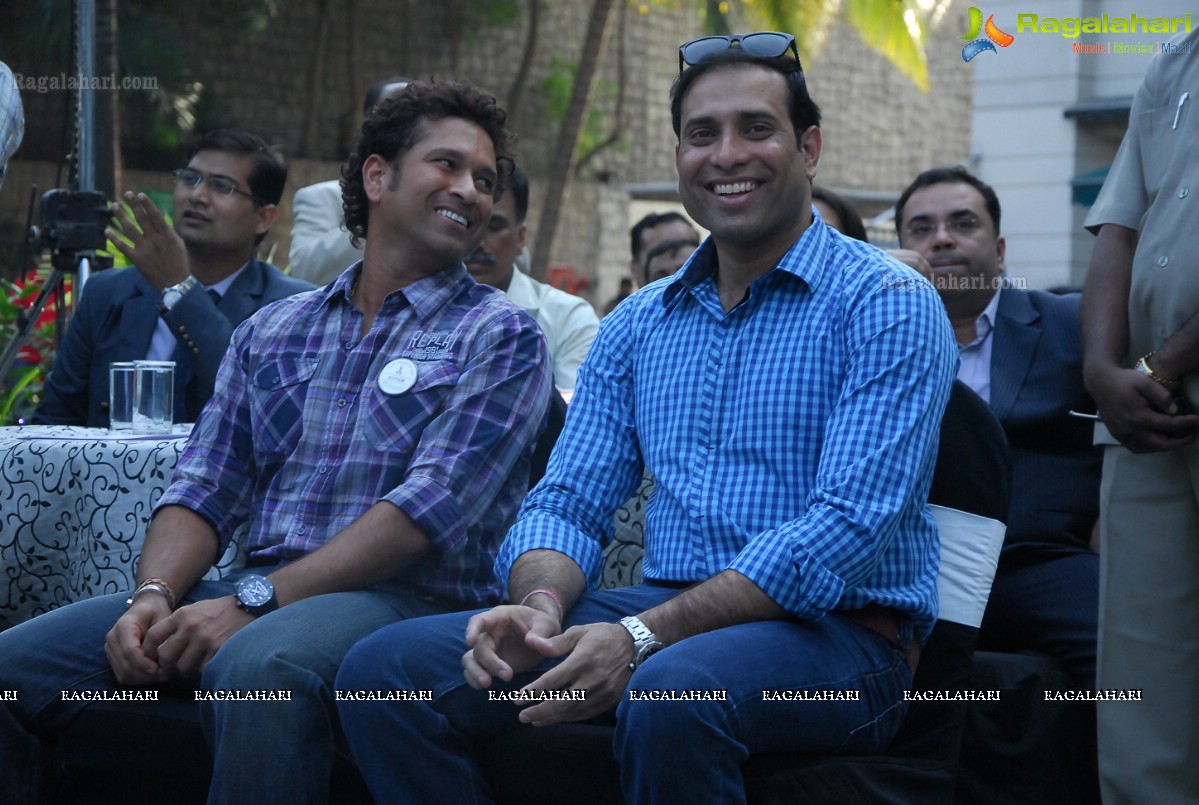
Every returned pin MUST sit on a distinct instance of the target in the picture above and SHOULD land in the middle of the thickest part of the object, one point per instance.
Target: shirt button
(1163, 261)
(349, 345)
(341, 403)
(322, 469)
(1183, 192)
(300, 531)
(275, 382)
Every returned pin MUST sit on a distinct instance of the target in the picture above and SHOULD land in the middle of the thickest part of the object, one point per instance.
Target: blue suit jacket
(1036, 378)
(115, 320)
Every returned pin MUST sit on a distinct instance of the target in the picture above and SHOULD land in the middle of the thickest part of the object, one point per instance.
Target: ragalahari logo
(994, 35)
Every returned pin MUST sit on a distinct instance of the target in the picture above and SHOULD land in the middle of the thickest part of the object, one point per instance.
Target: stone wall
(879, 129)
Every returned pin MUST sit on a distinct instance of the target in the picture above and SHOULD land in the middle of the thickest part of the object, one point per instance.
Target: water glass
(122, 390)
(154, 410)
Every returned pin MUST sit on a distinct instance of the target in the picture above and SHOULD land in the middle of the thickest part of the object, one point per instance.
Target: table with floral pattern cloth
(74, 507)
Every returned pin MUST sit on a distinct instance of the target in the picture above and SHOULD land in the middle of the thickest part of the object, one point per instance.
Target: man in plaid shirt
(12, 118)
(375, 434)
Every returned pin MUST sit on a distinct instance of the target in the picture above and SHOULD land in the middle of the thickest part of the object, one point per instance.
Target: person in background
(191, 282)
(839, 214)
(1141, 335)
(1021, 351)
(321, 248)
(666, 258)
(12, 118)
(652, 230)
(568, 321)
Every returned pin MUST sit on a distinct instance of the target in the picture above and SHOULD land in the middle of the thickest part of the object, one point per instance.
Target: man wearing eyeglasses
(1021, 351)
(375, 436)
(652, 231)
(788, 403)
(192, 282)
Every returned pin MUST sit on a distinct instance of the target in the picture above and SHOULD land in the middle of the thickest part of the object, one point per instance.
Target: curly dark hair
(396, 124)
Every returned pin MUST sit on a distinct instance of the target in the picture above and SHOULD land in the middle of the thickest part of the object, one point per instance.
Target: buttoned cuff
(539, 531)
(791, 577)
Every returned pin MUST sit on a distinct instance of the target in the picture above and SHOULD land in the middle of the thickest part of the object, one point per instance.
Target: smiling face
(214, 224)
(741, 175)
(431, 209)
(949, 225)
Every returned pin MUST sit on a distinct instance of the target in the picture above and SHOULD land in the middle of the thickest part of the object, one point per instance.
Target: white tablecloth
(74, 507)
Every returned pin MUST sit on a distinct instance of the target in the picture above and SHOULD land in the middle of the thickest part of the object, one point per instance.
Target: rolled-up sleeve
(595, 465)
(488, 422)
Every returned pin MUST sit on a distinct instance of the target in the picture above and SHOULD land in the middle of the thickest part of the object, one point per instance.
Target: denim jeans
(669, 751)
(263, 751)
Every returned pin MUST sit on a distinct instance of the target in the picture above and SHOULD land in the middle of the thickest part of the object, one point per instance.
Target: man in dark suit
(189, 287)
(1021, 351)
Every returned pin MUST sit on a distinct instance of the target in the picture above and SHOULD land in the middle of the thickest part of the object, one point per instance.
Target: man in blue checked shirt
(785, 388)
(376, 436)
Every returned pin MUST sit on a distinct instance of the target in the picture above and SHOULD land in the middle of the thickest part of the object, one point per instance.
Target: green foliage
(23, 386)
(894, 28)
(556, 88)
(897, 29)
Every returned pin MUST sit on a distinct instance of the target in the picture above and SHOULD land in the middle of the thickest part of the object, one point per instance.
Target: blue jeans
(669, 751)
(263, 751)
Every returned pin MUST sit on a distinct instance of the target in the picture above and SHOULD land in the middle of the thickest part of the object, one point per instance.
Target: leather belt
(887, 623)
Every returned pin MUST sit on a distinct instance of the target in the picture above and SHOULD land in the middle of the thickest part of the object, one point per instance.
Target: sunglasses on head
(767, 44)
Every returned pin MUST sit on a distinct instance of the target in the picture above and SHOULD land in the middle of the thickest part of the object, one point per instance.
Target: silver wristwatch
(645, 642)
(172, 295)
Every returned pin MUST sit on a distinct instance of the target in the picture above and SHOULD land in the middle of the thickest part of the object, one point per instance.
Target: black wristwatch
(255, 595)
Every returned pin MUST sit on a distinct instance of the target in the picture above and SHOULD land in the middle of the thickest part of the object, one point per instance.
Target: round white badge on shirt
(397, 376)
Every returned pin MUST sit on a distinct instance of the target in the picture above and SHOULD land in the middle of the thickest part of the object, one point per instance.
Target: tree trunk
(618, 116)
(568, 135)
(526, 65)
(316, 75)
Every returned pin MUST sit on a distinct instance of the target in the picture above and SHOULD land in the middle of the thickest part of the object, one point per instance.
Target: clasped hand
(1140, 413)
(150, 644)
(510, 640)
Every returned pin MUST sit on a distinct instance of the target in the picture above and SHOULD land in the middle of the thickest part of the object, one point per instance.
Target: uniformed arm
(1178, 355)
(1137, 411)
(205, 329)
(200, 326)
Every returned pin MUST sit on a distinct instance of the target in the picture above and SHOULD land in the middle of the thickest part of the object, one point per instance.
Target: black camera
(74, 220)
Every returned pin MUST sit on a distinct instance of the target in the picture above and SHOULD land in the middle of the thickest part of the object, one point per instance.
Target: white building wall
(1023, 144)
